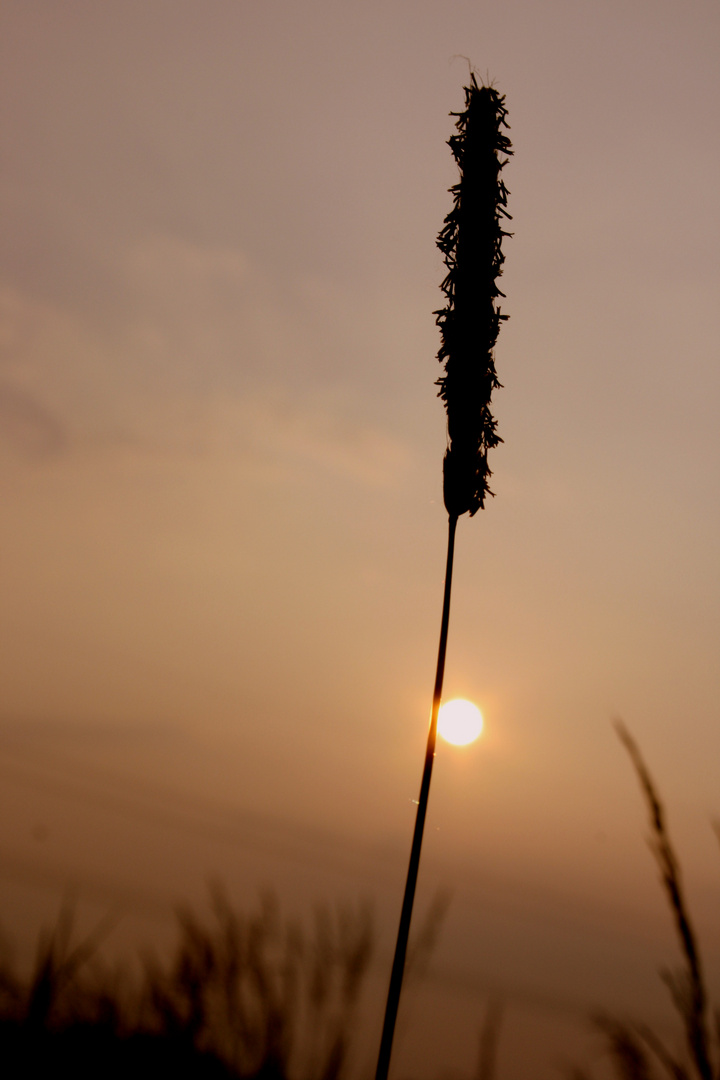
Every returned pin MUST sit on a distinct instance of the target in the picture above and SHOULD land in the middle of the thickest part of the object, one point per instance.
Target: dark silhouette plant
(636, 1051)
(470, 241)
(241, 998)
(687, 987)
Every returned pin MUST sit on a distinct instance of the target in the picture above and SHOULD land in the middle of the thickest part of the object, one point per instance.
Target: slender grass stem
(398, 967)
(689, 993)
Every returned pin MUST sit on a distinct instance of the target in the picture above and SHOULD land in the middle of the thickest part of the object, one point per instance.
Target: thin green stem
(398, 967)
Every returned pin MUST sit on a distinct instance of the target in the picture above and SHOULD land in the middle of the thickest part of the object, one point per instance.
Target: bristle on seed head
(471, 241)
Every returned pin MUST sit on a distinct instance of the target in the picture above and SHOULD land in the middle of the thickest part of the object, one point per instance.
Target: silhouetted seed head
(471, 241)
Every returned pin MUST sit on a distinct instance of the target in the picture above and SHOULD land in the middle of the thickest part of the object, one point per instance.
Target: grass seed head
(470, 241)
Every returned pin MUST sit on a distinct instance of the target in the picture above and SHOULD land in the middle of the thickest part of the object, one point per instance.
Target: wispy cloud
(27, 427)
(206, 359)
(306, 434)
(38, 729)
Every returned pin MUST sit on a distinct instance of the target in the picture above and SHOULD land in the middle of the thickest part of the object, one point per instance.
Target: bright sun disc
(459, 721)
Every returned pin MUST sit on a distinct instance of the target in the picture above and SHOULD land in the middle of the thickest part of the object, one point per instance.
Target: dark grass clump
(471, 242)
(241, 998)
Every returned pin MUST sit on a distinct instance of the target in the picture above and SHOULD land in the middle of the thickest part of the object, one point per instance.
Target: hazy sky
(222, 530)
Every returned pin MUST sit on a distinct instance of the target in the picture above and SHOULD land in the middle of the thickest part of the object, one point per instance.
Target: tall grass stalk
(469, 323)
(687, 987)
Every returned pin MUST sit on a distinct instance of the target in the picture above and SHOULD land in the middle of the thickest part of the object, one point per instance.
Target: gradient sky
(220, 468)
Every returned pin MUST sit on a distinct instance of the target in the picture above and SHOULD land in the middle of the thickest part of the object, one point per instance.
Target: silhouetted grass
(635, 1050)
(489, 1038)
(240, 997)
(255, 997)
(471, 243)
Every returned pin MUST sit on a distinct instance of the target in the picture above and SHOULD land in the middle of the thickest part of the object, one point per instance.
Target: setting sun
(460, 722)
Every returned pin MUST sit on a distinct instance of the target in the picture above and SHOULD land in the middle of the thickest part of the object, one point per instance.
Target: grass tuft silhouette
(241, 997)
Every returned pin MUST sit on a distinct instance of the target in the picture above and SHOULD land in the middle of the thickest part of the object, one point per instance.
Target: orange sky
(220, 469)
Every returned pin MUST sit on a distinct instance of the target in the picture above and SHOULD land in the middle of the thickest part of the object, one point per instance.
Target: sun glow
(459, 722)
